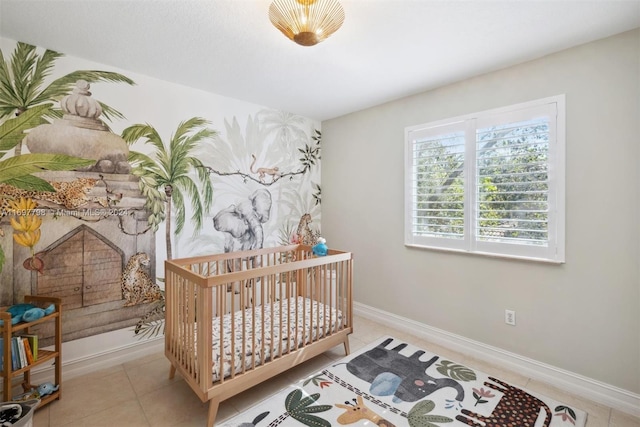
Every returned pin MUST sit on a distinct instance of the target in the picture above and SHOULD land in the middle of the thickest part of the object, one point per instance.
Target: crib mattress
(300, 320)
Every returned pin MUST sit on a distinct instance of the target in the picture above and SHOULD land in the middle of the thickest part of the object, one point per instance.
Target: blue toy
(320, 248)
(28, 312)
(46, 389)
(39, 392)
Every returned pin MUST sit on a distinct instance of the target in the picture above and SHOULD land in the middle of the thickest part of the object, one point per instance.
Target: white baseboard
(102, 359)
(597, 391)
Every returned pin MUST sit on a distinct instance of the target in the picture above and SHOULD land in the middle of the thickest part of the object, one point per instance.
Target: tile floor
(139, 393)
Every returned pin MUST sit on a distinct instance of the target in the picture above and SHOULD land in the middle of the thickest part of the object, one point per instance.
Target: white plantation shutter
(490, 182)
(436, 185)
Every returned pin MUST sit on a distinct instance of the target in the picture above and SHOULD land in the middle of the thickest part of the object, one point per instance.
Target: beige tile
(355, 344)
(145, 359)
(368, 331)
(127, 414)
(596, 421)
(199, 419)
(93, 376)
(264, 390)
(171, 404)
(149, 376)
(362, 323)
(405, 336)
(336, 352)
(225, 411)
(82, 397)
(620, 419)
(41, 417)
(308, 368)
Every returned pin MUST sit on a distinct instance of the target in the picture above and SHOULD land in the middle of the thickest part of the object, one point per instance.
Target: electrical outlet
(510, 317)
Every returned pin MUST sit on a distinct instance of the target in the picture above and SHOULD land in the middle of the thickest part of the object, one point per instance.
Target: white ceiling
(385, 49)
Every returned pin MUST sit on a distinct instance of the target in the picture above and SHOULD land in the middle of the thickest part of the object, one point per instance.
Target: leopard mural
(516, 408)
(391, 373)
(137, 286)
(68, 194)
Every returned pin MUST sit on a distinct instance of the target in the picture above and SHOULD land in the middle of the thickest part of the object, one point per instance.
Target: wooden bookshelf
(11, 377)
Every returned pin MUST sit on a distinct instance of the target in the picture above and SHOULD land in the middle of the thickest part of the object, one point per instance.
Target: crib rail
(231, 314)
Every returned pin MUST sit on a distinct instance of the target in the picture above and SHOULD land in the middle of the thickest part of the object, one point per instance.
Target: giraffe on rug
(359, 411)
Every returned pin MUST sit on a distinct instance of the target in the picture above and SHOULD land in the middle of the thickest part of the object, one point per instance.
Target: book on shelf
(27, 350)
(33, 344)
(15, 355)
(22, 357)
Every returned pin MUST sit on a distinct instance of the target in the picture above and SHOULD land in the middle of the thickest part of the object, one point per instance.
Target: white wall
(582, 316)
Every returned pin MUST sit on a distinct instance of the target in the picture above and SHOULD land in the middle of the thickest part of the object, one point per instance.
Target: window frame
(554, 251)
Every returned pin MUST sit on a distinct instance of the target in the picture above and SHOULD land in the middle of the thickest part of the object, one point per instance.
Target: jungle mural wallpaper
(92, 202)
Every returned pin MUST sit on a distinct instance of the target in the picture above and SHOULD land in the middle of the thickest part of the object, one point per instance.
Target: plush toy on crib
(320, 248)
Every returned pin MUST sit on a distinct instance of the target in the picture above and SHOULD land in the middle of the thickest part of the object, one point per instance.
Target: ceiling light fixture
(306, 22)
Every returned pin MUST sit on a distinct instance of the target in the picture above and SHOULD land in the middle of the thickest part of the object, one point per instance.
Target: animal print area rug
(391, 383)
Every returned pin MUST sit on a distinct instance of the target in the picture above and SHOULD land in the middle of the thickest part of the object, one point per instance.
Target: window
(489, 183)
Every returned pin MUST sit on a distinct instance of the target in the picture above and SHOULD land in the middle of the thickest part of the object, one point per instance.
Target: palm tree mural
(22, 84)
(166, 179)
(17, 171)
(27, 102)
(288, 130)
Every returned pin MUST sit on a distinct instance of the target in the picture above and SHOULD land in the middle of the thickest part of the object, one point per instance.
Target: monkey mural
(274, 172)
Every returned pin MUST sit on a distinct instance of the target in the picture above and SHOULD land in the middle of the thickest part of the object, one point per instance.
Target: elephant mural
(243, 222)
(391, 373)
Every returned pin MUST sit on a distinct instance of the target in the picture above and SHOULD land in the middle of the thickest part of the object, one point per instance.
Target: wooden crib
(277, 306)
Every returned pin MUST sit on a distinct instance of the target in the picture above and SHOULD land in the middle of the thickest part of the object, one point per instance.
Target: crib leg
(213, 411)
(172, 372)
(346, 346)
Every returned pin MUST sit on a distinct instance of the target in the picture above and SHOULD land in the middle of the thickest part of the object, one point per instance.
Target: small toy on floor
(320, 248)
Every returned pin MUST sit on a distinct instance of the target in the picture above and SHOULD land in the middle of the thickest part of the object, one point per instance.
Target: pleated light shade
(306, 22)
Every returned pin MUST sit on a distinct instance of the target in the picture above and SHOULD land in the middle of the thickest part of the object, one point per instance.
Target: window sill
(486, 254)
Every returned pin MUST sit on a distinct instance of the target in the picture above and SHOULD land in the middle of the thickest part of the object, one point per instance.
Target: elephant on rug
(391, 373)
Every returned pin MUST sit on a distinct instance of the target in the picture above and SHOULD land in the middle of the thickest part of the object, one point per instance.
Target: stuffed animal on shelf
(28, 312)
(39, 392)
(320, 248)
(47, 388)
